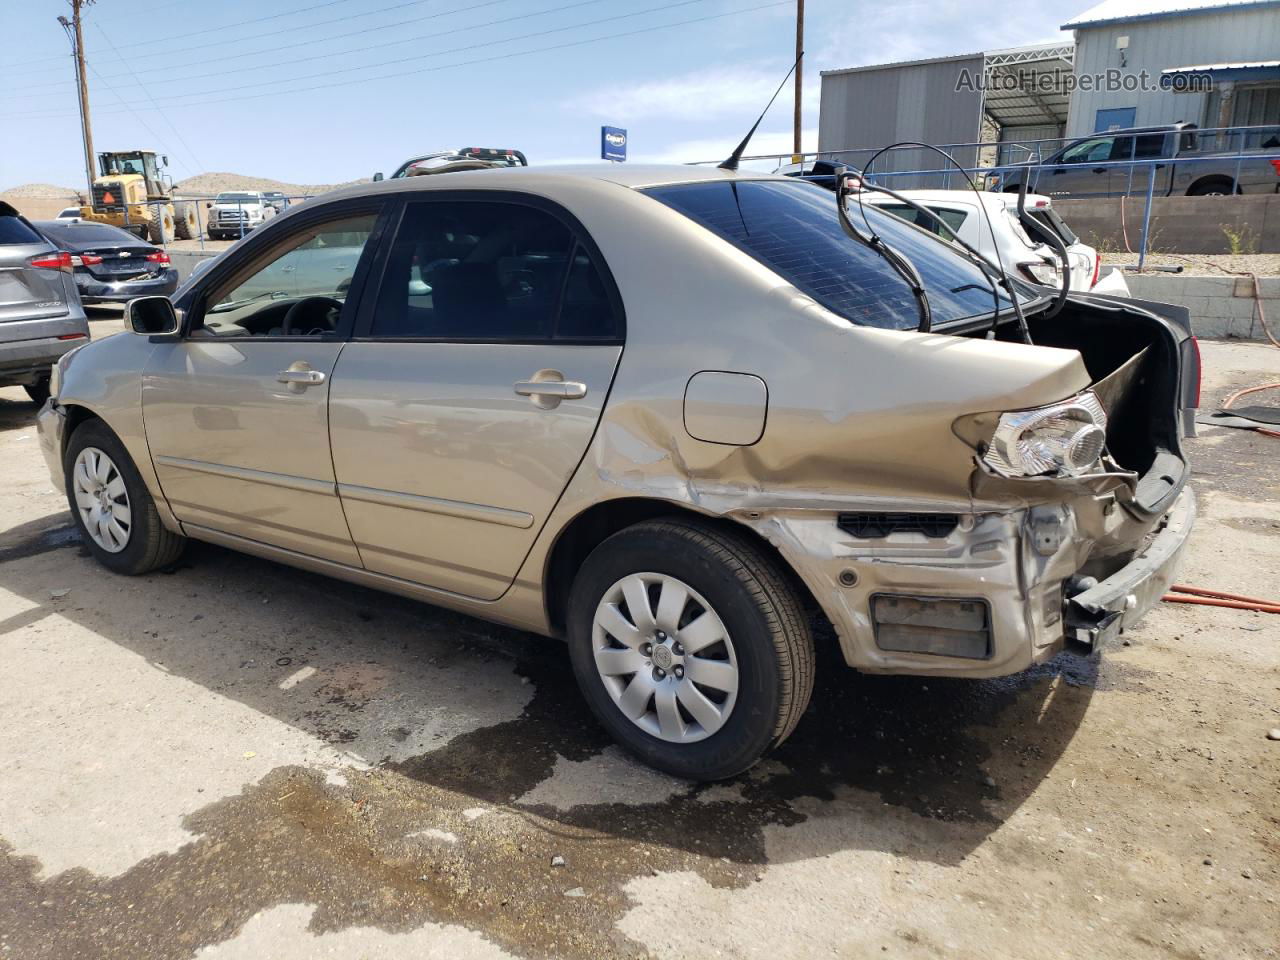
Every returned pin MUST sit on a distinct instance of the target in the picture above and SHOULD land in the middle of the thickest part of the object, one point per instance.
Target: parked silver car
(41, 317)
(674, 415)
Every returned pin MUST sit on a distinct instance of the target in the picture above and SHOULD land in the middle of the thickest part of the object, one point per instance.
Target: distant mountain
(28, 191)
(210, 184)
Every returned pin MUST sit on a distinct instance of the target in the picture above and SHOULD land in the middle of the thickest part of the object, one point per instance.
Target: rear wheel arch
(1213, 185)
(600, 521)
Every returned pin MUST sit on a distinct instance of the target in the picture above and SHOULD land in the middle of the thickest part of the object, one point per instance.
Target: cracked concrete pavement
(236, 759)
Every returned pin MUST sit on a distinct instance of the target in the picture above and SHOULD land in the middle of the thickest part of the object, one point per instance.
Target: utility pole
(76, 36)
(795, 146)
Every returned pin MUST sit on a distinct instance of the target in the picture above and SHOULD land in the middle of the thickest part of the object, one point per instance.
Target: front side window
(1097, 150)
(299, 289)
(792, 228)
(490, 271)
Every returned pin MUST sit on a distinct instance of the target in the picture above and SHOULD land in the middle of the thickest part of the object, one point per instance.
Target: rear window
(14, 230)
(1048, 217)
(85, 234)
(792, 228)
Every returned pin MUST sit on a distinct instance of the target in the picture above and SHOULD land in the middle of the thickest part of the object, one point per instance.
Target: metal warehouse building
(1235, 42)
(1039, 92)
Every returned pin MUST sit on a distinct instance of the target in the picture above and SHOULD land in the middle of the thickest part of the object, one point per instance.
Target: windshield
(792, 228)
(238, 198)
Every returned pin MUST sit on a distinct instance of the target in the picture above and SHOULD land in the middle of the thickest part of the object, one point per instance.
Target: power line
(194, 33)
(440, 53)
(169, 77)
(465, 63)
(155, 136)
(207, 45)
(147, 91)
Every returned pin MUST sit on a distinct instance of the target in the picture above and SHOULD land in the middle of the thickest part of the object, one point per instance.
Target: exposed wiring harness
(1004, 274)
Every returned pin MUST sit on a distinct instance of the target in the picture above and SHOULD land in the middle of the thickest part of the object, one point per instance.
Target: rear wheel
(38, 391)
(1212, 188)
(690, 646)
(160, 227)
(111, 505)
(184, 221)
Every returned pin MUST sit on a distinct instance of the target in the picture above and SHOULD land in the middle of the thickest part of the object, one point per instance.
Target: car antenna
(732, 162)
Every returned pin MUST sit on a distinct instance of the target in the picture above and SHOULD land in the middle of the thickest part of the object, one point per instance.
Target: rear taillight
(52, 261)
(1097, 269)
(72, 336)
(158, 257)
(85, 260)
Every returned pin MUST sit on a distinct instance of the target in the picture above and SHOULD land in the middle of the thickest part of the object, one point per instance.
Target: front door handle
(1099, 169)
(557, 389)
(300, 375)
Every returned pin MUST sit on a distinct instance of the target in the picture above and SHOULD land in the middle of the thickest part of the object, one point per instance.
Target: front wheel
(690, 646)
(112, 507)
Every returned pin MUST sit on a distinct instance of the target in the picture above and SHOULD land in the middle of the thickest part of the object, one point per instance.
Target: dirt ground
(239, 760)
(1205, 264)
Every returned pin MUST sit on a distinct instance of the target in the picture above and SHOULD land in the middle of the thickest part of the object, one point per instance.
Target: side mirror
(151, 315)
(165, 161)
(377, 176)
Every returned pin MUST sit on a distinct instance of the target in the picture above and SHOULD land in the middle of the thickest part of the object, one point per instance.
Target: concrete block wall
(1220, 306)
(1178, 224)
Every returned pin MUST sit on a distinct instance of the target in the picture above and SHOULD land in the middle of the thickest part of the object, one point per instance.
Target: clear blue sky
(333, 90)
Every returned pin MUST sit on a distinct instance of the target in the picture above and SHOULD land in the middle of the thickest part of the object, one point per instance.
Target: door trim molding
(448, 508)
(304, 484)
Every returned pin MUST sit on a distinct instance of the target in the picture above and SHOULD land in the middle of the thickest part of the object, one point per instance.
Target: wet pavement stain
(295, 838)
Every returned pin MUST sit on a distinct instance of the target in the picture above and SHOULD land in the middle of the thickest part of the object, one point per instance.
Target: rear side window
(482, 271)
(952, 218)
(14, 230)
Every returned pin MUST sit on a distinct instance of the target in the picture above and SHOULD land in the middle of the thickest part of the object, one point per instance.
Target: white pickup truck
(233, 214)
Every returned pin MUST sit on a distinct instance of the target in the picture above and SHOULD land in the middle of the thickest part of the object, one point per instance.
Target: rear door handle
(553, 389)
(303, 378)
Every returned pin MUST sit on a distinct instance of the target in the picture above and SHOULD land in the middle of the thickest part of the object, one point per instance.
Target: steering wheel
(307, 303)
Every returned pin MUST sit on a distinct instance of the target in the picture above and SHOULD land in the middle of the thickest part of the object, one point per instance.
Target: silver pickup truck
(1190, 164)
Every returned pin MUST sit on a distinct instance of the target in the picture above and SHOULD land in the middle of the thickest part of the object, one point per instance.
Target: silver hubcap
(102, 500)
(665, 657)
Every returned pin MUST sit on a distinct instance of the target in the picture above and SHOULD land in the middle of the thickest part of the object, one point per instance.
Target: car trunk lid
(118, 263)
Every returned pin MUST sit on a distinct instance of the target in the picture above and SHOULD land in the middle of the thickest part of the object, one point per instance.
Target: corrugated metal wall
(1156, 45)
(873, 108)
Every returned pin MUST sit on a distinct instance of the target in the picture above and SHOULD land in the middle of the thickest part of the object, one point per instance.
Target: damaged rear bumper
(996, 595)
(1098, 614)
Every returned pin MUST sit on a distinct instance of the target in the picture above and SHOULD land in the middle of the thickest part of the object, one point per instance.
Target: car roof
(635, 176)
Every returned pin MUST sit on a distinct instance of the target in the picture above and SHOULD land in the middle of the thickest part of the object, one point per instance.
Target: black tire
(761, 613)
(1212, 188)
(150, 546)
(38, 391)
(184, 221)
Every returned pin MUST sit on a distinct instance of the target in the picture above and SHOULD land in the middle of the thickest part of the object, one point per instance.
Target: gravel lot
(1205, 264)
(239, 760)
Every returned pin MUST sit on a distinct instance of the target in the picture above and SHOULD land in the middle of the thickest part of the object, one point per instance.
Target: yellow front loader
(130, 192)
